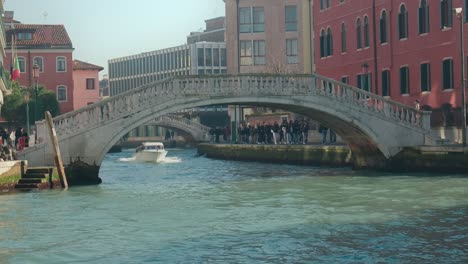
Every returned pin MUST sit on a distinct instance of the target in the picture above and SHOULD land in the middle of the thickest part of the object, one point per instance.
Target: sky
(101, 30)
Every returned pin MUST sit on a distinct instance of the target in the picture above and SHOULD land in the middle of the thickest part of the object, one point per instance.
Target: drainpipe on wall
(29, 69)
(376, 79)
(311, 29)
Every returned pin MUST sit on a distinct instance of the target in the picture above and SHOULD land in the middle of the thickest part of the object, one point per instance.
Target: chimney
(9, 14)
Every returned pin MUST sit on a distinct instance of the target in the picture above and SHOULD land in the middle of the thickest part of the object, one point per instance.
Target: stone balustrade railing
(206, 87)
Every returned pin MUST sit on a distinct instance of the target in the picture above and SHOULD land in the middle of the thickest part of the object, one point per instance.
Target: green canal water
(195, 210)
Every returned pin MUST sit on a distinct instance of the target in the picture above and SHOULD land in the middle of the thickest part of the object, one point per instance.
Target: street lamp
(36, 70)
(459, 13)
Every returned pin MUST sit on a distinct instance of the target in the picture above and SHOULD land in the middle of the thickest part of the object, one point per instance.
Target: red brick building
(407, 50)
(48, 46)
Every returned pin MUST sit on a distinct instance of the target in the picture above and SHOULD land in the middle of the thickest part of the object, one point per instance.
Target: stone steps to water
(26, 186)
(32, 178)
(29, 175)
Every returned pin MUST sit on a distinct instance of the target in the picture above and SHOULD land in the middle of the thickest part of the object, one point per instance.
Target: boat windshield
(154, 147)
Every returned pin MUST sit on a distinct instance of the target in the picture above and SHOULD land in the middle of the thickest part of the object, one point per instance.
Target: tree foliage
(14, 107)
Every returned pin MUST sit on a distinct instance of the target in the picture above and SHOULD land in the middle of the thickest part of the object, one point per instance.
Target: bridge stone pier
(374, 128)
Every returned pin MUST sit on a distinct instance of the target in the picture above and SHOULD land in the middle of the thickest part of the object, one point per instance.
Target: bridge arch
(375, 128)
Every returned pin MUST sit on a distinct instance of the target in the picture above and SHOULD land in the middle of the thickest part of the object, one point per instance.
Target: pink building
(85, 84)
(269, 36)
(48, 46)
(407, 50)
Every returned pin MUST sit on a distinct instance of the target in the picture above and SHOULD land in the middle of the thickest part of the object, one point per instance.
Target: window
(343, 37)
(323, 42)
(326, 43)
(291, 18)
(259, 52)
(329, 42)
(223, 57)
(208, 57)
(291, 51)
(61, 64)
(61, 93)
(383, 27)
(324, 4)
(364, 81)
(447, 74)
(345, 79)
(246, 52)
(465, 14)
(90, 82)
(258, 19)
(425, 77)
(445, 14)
(25, 36)
(216, 57)
(359, 33)
(386, 83)
(201, 57)
(423, 17)
(404, 80)
(22, 64)
(403, 23)
(39, 61)
(366, 32)
(245, 21)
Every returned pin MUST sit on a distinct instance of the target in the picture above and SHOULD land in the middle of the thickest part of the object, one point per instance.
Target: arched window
(366, 31)
(446, 13)
(359, 33)
(403, 23)
(383, 27)
(343, 37)
(423, 17)
(323, 42)
(61, 93)
(329, 42)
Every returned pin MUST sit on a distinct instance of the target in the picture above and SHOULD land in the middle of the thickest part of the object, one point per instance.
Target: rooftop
(81, 65)
(42, 36)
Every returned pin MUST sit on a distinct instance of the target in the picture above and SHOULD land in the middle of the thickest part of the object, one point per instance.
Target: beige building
(269, 36)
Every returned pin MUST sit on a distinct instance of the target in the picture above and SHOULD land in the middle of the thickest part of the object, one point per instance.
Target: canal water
(195, 210)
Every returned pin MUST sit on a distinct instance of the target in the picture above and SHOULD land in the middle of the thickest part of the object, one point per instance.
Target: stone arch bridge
(193, 130)
(374, 128)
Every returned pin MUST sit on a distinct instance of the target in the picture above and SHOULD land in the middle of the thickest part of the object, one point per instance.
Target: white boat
(151, 152)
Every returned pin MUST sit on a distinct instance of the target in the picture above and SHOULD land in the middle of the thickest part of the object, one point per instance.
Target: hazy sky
(104, 29)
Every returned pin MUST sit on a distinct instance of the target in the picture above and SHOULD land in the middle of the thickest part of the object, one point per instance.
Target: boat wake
(171, 160)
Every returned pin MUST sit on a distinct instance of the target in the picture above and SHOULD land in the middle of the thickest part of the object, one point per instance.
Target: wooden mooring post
(55, 147)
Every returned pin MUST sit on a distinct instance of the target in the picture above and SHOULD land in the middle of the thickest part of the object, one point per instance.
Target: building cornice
(8, 51)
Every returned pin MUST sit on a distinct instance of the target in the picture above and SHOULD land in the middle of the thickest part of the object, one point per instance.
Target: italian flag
(15, 73)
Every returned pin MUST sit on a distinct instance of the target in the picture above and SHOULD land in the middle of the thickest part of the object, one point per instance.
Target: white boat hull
(151, 156)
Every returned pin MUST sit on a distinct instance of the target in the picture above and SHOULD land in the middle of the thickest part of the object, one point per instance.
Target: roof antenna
(45, 14)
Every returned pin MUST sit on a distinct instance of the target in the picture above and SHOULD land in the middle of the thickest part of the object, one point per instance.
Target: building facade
(48, 46)
(214, 32)
(3, 72)
(269, 36)
(129, 72)
(408, 50)
(86, 88)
